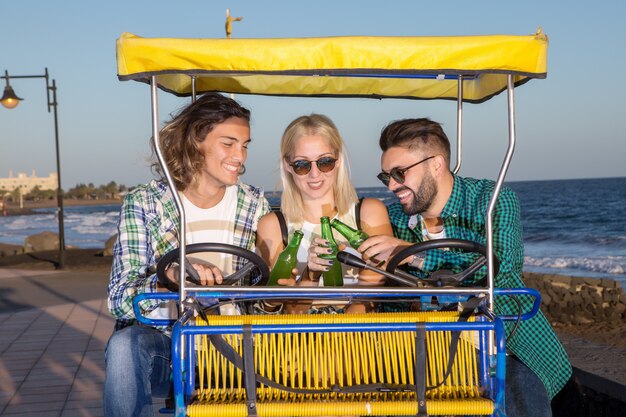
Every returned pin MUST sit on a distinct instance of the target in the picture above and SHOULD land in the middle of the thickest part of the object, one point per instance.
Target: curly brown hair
(181, 137)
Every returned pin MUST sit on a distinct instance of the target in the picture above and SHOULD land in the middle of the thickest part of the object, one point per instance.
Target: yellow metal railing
(321, 361)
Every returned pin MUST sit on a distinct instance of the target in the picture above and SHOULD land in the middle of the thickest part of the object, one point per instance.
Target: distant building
(28, 183)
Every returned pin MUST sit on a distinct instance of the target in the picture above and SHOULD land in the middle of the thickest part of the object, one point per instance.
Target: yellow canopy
(375, 67)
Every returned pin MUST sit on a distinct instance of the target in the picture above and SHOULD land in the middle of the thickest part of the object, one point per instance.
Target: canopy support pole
(459, 126)
(494, 197)
(172, 185)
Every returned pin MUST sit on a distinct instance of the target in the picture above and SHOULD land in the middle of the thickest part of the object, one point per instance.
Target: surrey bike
(424, 363)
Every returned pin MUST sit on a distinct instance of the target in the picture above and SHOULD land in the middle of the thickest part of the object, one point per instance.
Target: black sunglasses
(398, 173)
(303, 167)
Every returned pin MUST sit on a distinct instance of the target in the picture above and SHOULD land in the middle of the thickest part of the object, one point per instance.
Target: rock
(41, 242)
(608, 283)
(566, 297)
(562, 279)
(108, 246)
(561, 285)
(614, 318)
(596, 297)
(594, 282)
(567, 318)
(546, 299)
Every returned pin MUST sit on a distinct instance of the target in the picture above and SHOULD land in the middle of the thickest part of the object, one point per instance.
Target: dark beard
(423, 197)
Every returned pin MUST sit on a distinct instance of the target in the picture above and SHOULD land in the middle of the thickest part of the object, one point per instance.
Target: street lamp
(10, 100)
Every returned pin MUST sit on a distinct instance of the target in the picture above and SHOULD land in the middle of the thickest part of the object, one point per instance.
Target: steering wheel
(254, 262)
(444, 277)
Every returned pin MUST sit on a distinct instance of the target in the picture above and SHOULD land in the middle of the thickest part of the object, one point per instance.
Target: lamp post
(10, 100)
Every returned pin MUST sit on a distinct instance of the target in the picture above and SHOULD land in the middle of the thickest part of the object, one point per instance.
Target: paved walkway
(597, 366)
(54, 327)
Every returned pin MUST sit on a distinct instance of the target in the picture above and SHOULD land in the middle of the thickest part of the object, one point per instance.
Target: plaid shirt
(148, 229)
(464, 217)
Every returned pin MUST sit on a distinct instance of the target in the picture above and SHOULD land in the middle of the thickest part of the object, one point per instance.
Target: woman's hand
(315, 264)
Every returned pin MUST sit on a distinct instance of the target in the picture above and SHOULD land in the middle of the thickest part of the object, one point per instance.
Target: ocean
(571, 227)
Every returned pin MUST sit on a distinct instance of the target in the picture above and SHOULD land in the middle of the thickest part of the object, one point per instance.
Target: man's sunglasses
(303, 167)
(398, 173)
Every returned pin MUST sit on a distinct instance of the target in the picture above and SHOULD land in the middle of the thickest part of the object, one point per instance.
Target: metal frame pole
(193, 88)
(459, 126)
(496, 192)
(170, 181)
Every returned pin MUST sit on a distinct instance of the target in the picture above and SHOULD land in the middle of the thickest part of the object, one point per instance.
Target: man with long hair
(205, 147)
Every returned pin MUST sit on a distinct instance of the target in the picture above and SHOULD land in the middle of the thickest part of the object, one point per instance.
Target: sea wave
(608, 265)
(85, 227)
(93, 223)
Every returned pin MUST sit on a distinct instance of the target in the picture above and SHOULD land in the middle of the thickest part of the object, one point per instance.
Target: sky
(570, 125)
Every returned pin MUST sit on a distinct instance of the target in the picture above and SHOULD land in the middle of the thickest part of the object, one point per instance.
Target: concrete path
(597, 366)
(54, 327)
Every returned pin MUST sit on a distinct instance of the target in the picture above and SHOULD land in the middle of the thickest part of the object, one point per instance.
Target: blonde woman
(316, 183)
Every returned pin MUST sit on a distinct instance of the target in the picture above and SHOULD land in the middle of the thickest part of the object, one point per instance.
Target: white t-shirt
(433, 235)
(215, 224)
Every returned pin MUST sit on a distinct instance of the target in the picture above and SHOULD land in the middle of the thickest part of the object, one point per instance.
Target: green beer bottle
(334, 276)
(287, 259)
(355, 237)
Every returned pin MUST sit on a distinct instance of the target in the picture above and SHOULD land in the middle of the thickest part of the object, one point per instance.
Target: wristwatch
(418, 260)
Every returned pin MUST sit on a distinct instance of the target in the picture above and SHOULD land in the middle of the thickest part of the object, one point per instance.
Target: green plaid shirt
(148, 229)
(464, 217)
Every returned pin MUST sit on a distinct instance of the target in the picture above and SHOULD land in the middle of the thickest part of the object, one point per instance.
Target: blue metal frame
(177, 365)
(184, 385)
(304, 294)
(492, 369)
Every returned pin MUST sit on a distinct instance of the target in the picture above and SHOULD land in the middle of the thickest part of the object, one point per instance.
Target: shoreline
(14, 209)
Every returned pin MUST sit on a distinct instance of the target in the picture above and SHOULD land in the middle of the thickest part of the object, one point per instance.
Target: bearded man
(434, 203)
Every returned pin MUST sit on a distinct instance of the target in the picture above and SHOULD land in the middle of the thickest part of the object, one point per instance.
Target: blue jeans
(525, 394)
(137, 361)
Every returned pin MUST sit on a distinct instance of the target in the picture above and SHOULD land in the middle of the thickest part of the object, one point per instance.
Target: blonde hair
(344, 193)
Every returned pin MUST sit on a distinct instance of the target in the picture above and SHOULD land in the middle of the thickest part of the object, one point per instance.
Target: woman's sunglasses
(303, 167)
(398, 173)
